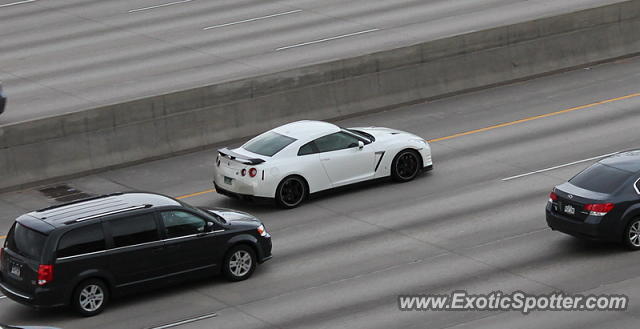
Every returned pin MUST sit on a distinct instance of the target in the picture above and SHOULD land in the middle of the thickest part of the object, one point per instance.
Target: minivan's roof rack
(78, 201)
(111, 212)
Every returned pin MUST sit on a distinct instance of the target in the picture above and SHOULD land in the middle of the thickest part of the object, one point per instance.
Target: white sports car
(292, 161)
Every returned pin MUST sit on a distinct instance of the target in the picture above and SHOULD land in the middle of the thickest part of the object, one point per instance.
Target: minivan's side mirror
(360, 145)
(209, 227)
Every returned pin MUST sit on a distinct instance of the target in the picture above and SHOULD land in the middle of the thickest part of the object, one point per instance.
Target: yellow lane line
(195, 194)
(506, 124)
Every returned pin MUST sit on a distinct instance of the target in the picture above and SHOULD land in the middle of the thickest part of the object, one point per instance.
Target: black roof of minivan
(100, 206)
(627, 161)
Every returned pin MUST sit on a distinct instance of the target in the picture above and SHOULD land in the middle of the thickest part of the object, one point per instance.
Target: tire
(239, 263)
(291, 192)
(90, 297)
(631, 237)
(406, 166)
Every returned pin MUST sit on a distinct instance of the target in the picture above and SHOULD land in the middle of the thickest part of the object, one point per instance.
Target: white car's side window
(307, 149)
(336, 141)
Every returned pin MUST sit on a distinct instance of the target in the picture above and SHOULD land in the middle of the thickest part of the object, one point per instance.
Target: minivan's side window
(82, 240)
(134, 230)
(180, 223)
(336, 141)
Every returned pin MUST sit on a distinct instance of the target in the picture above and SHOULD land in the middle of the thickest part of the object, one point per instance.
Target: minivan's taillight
(598, 209)
(45, 274)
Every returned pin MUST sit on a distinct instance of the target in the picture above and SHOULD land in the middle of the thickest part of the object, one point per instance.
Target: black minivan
(83, 253)
(602, 202)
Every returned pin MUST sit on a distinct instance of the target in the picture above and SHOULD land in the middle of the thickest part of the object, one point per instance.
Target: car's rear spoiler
(225, 152)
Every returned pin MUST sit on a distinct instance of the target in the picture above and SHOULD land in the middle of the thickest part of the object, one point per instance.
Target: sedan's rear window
(600, 178)
(268, 143)
(25, 241)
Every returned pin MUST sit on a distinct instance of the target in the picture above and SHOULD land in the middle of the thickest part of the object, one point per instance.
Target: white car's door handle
(325, 159)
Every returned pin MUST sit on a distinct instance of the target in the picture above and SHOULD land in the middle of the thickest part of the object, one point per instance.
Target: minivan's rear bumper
(41, 298)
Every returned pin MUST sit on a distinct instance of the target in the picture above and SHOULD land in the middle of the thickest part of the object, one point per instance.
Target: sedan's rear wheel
(291, 192)
(631, 236)
(406, 166)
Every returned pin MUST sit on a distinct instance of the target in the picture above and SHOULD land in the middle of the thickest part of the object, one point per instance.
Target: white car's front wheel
(291, 192)
(406, 166)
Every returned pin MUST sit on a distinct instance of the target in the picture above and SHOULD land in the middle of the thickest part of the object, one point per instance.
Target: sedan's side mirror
(360, 145)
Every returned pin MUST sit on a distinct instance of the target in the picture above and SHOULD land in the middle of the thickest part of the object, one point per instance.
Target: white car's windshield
(268, 143)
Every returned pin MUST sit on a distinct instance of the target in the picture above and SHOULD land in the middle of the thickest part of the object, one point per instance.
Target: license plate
(569, 209)
(15, 270)
(228, 180)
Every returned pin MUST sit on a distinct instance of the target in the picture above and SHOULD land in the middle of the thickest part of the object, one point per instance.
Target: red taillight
(598, 209)
(218, 163)
(253, 172)
(553, 197)
(243, 172)
(45, 274)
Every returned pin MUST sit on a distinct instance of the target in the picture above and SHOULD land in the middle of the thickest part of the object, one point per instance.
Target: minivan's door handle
(325, 159)
(157, 250)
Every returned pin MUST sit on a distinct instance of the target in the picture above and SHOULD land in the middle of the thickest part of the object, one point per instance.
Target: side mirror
(360, 145)
(209, 227)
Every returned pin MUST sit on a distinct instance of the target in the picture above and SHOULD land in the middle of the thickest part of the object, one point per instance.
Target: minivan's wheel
(406, 166)
(631, 236)
(90, 297)
(239, 263)
(291, 192)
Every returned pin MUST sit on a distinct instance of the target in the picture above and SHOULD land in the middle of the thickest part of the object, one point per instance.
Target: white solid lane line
(179, 323)
(326, 39)
(252, 19)
(159, 6)
(16, 3)
(560, 166)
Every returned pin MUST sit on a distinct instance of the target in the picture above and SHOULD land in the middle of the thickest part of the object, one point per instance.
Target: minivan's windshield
(600, 178)
(25, 241)
(268, 143)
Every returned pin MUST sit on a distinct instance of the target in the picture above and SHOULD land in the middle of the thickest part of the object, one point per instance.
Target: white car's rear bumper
(231, 181)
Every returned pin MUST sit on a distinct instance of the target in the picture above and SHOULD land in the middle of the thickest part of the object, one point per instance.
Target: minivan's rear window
(25, 241)
(268, 143)
(601, 178)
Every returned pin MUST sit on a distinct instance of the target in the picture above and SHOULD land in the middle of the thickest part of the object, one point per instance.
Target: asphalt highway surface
(341, 260)
(59, 56)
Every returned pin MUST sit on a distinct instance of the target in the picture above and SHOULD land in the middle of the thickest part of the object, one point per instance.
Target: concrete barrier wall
(153, 127)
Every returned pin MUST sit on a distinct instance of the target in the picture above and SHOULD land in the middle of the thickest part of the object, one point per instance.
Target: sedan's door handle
(157, 250)
(325, 159)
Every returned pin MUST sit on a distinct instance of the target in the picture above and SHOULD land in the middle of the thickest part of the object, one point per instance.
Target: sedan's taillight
(553, 197)
(598, 209)
(45, 274)
(253, 172)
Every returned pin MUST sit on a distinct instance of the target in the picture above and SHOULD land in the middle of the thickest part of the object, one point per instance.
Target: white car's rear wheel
(406, 166)
(291, 192)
